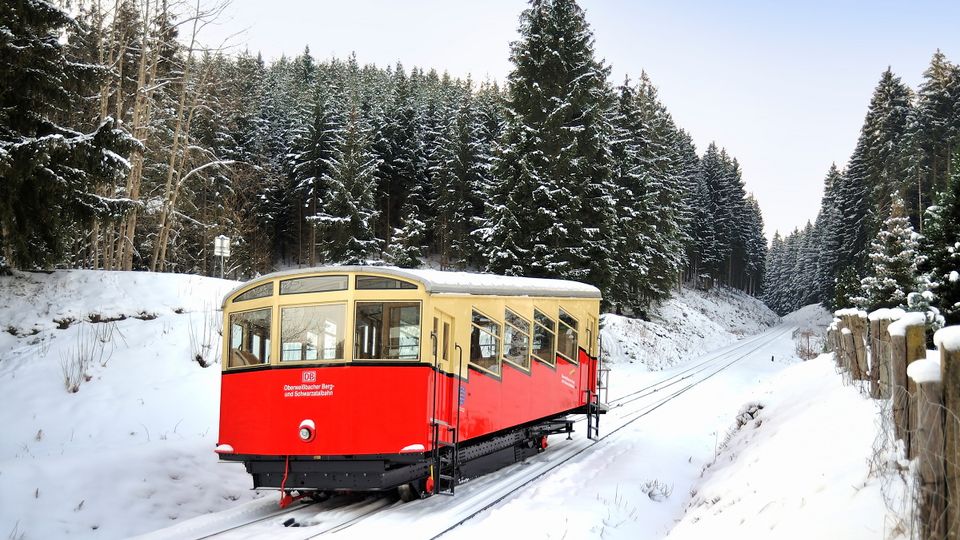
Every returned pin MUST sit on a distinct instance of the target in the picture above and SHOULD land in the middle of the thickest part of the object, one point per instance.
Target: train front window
(543, 338)
(312, 332)
(485, 342)
(567, 337)
(249, 338)
(387, 331)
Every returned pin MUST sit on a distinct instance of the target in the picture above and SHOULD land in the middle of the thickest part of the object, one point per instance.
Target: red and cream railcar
(374, 378)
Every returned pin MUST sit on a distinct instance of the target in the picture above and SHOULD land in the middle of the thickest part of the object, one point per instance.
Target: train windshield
(249, 338)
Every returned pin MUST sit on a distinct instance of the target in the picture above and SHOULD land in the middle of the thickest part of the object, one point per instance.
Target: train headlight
(307, 430)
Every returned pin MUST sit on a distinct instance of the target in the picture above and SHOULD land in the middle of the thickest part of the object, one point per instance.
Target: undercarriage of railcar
(413, 474)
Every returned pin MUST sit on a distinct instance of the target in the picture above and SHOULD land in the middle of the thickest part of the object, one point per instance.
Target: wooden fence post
(849, 354)
(886, 352)
(908, 343)
(916, 350)
(948, 341)
(928, 444)
(860, 328)
(875, 352)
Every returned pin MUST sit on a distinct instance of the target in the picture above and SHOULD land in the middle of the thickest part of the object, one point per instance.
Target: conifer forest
(888, 231)
(128, 143)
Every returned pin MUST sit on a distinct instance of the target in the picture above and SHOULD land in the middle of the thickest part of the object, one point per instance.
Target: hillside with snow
(131, 449)
(690, 324)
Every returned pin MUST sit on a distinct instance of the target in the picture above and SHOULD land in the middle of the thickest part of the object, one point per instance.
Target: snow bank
(851, 312)
(924, 371)
(688, 325)
(132, 450)
(948, 338)
(798, 468)
(899, 327)
(886, 314)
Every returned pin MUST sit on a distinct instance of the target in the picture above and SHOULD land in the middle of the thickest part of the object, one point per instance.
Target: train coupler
(286, 498)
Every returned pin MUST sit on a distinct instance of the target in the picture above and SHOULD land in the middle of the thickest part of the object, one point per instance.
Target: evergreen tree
(554, 164)
(893, 257)
(459, 181)
(934, 133)
(349, 215)
(312, 154)
(941, 248)
(49, 168)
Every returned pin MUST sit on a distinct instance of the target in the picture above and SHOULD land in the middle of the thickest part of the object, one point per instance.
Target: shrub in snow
(94, 345)
(893, 262)
(657, 490)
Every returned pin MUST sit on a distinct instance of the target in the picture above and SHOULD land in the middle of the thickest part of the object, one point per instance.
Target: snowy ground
(130, 451)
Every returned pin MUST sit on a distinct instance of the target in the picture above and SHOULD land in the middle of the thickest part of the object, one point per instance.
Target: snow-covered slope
(688, 325)
(797, 466)
(131, 450)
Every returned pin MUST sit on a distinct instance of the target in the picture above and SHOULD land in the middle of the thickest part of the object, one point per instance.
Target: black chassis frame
(382, 472)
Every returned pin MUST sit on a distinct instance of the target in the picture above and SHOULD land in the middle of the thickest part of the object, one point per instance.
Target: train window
(516, 340)
(387, 331)
(313, 284)
(260, 291)
(543, 336)
(485, 343)
(249, 338)
(312, 332)
(567, 337)
(374, 282)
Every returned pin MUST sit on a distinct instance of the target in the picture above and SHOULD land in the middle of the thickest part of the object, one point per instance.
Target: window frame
(499, 348)
(355, 343)
(404, 285)
(346, 286)
(239, 297)
(553, 331)
(346, 327)
(528, 334)
(268, 346)
(576, 336)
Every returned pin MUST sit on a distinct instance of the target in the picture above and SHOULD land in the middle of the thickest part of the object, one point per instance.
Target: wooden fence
(887, 350)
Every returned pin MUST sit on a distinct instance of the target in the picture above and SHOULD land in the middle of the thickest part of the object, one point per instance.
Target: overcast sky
(783, 87)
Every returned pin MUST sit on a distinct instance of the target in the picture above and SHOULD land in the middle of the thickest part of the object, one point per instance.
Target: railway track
(341, 518)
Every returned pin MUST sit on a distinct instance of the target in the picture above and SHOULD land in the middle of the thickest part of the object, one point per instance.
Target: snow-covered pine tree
(941, 248)
(934, 133)
(554, 163)
(893, 262)
(714, 169)
(755, 246)
(827, 227)
(349, 213)
(49, 167)
(772, 284)
(459, 177)
(634, 228)
(874, 169)
(311, 154)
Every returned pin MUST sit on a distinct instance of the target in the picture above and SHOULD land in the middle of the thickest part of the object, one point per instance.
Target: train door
(444, 361)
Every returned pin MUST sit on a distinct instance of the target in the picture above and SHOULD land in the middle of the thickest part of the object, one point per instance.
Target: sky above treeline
(783, 86)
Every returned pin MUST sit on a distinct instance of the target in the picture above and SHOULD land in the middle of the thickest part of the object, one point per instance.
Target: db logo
(309, 376)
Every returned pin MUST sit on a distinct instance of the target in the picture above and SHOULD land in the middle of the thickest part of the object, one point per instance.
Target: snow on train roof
(440, 281)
